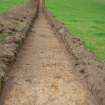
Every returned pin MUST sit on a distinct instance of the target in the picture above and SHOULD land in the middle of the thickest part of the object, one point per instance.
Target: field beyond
(85, 19)
(6, 5)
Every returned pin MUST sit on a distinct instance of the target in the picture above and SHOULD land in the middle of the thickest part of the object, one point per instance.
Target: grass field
(6, 5)
(85, 19)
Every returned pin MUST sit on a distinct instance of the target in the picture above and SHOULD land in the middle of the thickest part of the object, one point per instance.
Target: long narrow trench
(43, 73)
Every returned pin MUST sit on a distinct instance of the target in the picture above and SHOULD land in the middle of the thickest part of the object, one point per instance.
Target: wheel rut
(43, 73)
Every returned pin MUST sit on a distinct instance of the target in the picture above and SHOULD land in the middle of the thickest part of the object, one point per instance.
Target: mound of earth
(14, 27)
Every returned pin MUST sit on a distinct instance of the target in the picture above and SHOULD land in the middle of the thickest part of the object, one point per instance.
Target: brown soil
(43, 73)
(16, 21)
(47, 73)
(14, 27)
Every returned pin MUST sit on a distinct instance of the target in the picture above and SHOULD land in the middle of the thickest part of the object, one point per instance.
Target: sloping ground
(14, 27)
(87, 67)
(48, 71)
(85, 19)
(43, 73)
(16, 21)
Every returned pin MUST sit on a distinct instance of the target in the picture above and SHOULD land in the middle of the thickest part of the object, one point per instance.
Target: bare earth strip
(43, 73)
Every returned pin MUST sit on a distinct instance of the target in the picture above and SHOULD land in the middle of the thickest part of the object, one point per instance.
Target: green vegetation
(85, 19)
(6, 5)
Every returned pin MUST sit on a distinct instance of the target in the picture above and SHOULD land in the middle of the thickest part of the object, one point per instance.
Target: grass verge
(85, 19)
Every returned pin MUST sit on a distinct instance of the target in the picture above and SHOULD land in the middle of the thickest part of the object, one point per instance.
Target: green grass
(85, 19)
(6, 5)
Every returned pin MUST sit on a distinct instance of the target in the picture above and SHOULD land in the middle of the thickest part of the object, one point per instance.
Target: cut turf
(85, 19)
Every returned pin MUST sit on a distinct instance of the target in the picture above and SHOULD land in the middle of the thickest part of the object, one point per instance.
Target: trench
(43, 72)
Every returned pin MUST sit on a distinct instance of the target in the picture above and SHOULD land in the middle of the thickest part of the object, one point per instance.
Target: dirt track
(43, 73)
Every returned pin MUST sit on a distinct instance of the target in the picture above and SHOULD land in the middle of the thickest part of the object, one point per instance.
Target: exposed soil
(16, 21)
(43, 73)
(45, 70)
(14, 27)
(87, 66)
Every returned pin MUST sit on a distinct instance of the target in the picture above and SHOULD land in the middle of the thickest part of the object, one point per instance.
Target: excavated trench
(43, 73)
